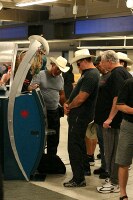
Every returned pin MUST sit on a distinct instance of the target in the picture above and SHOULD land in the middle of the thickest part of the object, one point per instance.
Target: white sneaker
(108, 188)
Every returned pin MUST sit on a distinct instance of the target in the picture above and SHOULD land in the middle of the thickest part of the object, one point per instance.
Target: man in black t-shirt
(110, 117)
(124, 154)
(99, 125)
(80, 109)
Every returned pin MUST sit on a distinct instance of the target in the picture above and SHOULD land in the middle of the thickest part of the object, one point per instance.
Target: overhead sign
(14, 32)
(104, 25)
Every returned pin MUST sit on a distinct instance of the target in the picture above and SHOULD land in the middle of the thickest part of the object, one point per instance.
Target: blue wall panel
(104, 25)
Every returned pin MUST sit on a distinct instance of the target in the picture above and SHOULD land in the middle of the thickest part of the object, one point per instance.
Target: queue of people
(105, 101)
(107, 117)
(110, 116)
(93, 98)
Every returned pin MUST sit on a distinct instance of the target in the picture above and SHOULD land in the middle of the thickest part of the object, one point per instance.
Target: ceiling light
(30, 3)
(129, 4)
(1, 5)
(105, 47)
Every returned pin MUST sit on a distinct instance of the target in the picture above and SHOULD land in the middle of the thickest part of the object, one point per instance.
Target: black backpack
(51, 164)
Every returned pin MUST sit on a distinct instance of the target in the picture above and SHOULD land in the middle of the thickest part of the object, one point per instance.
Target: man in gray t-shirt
(51, 85)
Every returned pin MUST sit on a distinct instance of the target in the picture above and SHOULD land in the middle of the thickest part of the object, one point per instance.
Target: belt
(52, 110)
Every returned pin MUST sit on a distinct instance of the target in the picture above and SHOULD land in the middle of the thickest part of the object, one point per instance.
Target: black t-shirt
(126, 97)
(103, 80)
(109, 91)
(88, 82)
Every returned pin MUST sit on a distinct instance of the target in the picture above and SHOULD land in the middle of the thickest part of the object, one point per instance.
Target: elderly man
(103, 174)
(124, 154)
(111, 117)
(51, 85)
(80, 110)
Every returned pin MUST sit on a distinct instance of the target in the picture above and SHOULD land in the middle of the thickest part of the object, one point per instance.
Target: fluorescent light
(105, 47)
(129, 4)
(30, 3)
(1, 5)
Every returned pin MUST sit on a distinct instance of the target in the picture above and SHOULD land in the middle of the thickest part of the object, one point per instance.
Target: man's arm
(112, 114)
(125, 109)
(33, 86)
(78, 100)
(34, 83)
(62, 97)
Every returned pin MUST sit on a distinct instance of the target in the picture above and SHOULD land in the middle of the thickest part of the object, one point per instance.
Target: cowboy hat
(42, 40)
(80, 54)
(124, 57)
(60, 63)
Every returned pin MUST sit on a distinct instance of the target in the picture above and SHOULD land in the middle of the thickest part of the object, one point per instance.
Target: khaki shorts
(124, 153)
(91, 132)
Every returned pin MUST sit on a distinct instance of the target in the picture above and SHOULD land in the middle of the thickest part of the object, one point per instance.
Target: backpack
(51, 164)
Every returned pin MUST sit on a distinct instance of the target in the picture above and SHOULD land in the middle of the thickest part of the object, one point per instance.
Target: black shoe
(91, 160)
(99, 156)
(72, 183)
(98, 171)
(104, 175)
(87, 173)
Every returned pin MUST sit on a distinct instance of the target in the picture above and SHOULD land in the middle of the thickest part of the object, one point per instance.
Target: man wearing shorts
(125, 145)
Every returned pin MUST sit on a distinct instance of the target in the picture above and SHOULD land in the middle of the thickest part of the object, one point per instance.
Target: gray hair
(110, 55)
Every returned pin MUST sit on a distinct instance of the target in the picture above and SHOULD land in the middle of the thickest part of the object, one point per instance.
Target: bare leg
(91, 146)
(123, 178)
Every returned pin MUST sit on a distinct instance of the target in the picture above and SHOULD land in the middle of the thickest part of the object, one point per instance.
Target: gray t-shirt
(50, 87)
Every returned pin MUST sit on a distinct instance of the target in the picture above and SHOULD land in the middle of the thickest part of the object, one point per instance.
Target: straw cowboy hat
(42, 40)
(124, 57)
(80, 54)
(60, 63)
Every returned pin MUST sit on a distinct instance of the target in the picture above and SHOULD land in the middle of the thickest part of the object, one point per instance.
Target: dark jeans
(111, 137)
(101, 145)
(77, 148)
(53, 123)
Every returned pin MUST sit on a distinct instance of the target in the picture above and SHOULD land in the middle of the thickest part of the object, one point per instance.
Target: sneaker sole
(106, 190)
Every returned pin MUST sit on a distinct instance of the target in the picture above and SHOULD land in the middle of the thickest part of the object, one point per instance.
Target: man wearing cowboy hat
(80, 110)
(51, 85)
(124, 60)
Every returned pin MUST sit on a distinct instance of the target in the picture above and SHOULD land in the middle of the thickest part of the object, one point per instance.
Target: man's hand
(66, 109)
(33, 86)
(107, 123)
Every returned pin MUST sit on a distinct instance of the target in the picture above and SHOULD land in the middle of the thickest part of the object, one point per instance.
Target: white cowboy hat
(60, 63)
(80, 54)
(124, 57)
(42, 40)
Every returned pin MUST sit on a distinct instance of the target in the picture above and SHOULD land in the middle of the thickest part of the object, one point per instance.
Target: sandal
(124, 197)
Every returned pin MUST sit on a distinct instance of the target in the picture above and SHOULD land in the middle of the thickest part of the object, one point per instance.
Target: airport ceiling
(61, 9)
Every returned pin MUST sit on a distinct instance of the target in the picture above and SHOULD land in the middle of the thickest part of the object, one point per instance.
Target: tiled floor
(54, 182)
